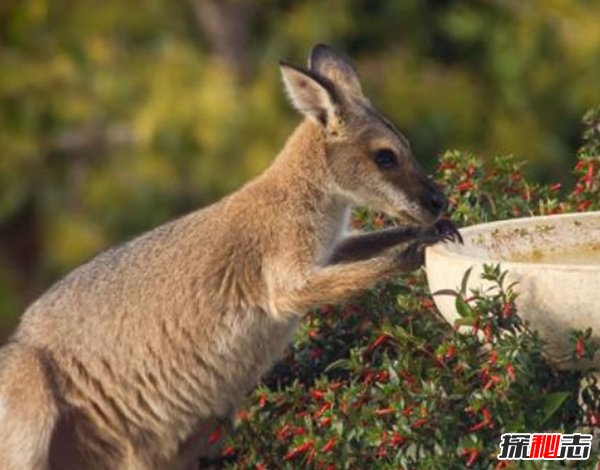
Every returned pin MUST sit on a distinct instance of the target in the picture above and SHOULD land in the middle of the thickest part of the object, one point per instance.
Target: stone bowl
(555, 261)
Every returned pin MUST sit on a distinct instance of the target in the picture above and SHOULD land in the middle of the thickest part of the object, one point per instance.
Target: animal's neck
(303, 159)
(301, 171)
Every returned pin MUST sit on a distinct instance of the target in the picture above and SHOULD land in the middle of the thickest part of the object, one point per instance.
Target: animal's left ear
(310, 94)
(328, 63)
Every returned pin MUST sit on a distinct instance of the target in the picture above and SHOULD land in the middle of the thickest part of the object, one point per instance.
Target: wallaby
(136, 358)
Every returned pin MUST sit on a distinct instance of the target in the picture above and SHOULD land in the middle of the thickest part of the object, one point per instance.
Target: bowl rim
(445, 249)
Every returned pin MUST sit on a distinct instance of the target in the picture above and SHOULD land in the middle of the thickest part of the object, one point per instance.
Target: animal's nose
(438, 201)
(433, 199)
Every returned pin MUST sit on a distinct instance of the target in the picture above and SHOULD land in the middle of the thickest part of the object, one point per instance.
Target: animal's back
(117, 289)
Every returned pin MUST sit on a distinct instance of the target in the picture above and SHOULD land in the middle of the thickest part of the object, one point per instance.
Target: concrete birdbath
(554, 259)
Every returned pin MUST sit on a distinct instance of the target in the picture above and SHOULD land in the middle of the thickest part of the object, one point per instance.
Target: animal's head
(371, 162)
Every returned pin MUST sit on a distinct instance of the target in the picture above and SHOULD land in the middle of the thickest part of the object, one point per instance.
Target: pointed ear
(309, 93)
(325, 61)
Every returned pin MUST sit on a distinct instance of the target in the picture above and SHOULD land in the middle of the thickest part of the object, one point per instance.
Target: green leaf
(339, 364)
(445, 292)
(549, 404)
(465, 281)
(463, 308)
(501, 279)
(470, 321)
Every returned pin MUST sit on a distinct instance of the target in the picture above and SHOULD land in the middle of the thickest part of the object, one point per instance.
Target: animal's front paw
(413, 256)
(448, 231)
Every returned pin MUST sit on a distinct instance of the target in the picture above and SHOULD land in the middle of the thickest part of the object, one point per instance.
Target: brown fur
(134, 359)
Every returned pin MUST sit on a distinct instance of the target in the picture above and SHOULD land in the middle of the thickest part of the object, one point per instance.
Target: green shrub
(384, 382)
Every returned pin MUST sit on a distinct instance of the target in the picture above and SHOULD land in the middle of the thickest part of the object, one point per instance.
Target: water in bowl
(582, 255)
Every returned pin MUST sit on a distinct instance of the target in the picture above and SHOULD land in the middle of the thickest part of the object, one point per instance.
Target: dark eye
(386, 159)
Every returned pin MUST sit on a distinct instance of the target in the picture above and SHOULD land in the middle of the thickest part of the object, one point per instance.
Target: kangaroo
(138, 358)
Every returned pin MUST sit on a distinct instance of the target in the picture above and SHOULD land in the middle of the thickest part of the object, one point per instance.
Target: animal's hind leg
(27, 410)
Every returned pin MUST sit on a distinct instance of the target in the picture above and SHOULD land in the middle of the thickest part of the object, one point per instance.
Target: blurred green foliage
(117, 115)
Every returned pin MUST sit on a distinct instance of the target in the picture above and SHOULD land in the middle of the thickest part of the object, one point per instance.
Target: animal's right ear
(310, 94)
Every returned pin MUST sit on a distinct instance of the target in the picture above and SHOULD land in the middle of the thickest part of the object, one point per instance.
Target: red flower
(379, 341)
(282, 433)
(486, 421)
(587, 178)
(451, 352)
(322, 410)
(382, 376)
(385, 411)
(419, 423)
(472, 453)
(555, 187)
(507, 310)
(478, 426)
(335, 385)
(584, 205)
(328, 445)
(324, 422)
(227, 451)
(262, 400)
(464, 186)
(297, 431)
(580, 350)
(472, 458)
(368, 376)
(488, 332)
(486, 415)
(215, 436)
(296, 451)
(510, 371)
(311, 455)
(397, 439)
(317, 394)
(408, 377)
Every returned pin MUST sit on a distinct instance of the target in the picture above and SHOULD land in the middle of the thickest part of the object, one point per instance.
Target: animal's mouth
(420, 217)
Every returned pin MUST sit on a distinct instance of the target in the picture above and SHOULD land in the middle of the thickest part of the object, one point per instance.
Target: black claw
(448, 231)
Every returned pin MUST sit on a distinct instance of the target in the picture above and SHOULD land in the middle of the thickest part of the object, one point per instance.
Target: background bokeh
(118, 115)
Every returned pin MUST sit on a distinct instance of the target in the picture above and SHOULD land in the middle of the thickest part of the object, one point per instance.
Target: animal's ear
(334, 66)
(310, 94)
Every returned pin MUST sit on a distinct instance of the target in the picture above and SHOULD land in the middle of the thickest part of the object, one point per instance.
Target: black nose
(438, 201)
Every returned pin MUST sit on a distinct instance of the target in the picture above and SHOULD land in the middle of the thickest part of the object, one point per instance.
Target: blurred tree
(117, 115)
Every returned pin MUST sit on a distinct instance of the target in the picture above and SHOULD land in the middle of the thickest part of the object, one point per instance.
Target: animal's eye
(386, 159)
